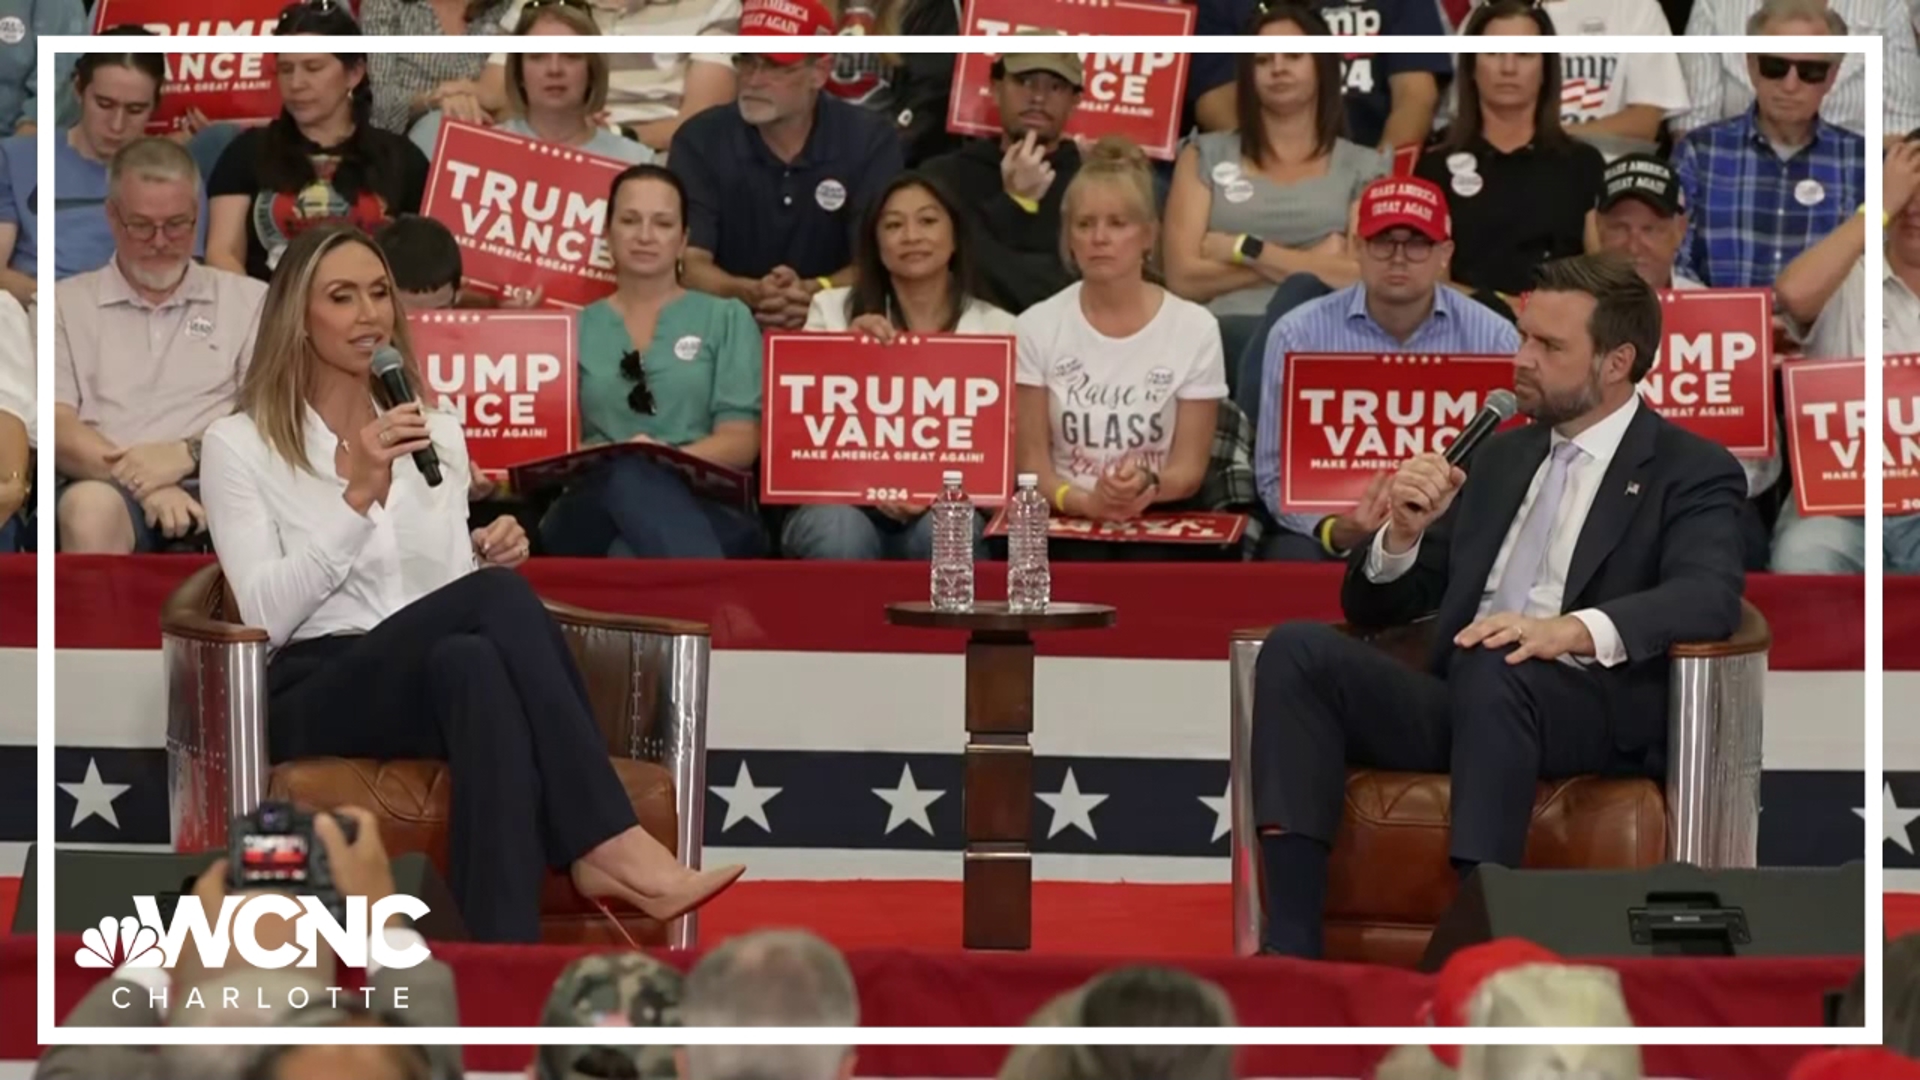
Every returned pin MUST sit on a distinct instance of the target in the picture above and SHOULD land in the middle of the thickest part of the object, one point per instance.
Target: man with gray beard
(148, 350)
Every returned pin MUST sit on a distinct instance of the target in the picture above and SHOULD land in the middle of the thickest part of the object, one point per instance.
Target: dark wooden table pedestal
(997, 790)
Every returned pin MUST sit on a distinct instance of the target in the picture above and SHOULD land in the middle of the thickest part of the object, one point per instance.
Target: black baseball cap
(1644, 177)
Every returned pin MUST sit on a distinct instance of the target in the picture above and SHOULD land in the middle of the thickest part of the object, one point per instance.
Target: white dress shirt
(1600, 443)
(300, 561)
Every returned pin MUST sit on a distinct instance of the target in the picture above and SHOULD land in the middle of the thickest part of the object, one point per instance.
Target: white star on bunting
(1894, 819)
(1070, 807)
(94, 797)
(1222, 807)
(906, 802)
(745, 802)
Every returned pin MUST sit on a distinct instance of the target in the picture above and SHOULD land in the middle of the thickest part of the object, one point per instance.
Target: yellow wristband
(1060, 497)
(1029, 205)
(825, 283)
(1240, 248)
(1326, 535)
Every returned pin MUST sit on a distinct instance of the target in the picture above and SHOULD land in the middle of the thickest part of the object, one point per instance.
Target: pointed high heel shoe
(692, 891)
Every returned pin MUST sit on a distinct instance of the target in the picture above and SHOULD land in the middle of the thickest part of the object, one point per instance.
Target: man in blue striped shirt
(1399, 306)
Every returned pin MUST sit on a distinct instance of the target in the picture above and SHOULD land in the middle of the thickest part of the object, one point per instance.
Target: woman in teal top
(694, 384)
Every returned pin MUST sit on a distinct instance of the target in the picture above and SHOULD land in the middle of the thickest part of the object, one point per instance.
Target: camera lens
(273, 818)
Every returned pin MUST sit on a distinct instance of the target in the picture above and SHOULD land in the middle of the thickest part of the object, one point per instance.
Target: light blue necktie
(1530, 550)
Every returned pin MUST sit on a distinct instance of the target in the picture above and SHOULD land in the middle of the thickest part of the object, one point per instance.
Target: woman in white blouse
(395, 632)
(916, 275)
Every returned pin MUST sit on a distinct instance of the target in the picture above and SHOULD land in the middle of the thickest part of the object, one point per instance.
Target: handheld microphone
(1500, 407)
(390, 369)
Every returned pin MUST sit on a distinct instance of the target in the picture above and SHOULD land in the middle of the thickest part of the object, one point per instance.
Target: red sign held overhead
(511, 376)
(527, 214)
(1139, 95)
(847, 420)
(1348, 416)
(1827, 414)
(222, 86)
(1714, 374)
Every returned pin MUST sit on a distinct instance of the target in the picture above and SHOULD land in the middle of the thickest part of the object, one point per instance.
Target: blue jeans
(637, 509)
(861, 532)
(1251, 361)
(1901, 540)
(1818, 545)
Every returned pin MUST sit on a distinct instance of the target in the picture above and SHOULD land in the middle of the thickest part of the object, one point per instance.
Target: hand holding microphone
(399, 431)
(1425, 486)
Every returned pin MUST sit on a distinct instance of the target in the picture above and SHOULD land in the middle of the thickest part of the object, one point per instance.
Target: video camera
(275, 847)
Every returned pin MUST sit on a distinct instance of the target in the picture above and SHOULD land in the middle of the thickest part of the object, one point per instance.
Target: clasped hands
(152, 472)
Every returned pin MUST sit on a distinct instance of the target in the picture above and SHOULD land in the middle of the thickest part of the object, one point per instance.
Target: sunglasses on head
(304, 8)
(535, 5)
(640, 398)
(1775, 68)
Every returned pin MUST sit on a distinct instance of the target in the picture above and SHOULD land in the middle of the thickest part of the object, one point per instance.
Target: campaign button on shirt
(1530, 206)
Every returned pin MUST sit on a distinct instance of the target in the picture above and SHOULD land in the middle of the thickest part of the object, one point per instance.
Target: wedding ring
(386, 438)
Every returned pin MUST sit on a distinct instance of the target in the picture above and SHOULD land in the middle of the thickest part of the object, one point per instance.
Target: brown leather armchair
(647, 679)
(1390, 880)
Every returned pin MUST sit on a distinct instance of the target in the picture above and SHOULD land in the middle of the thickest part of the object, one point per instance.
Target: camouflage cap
(621, 989)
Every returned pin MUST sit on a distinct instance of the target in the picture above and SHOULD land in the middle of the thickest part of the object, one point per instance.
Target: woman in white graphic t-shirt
(1119, 380)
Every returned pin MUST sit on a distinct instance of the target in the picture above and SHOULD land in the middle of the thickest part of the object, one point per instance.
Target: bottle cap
(1027, 479)
(951, 476)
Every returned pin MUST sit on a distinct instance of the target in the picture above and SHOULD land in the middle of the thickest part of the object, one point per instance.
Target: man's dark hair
(1626, 310)
(1152, 997)
(423, 253)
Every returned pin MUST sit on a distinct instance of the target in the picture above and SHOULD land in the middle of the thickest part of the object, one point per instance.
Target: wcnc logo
(149, 941)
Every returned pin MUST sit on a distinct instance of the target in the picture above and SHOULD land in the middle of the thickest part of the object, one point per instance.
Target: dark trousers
(1324, 702)
(475, 674)
(641, 509)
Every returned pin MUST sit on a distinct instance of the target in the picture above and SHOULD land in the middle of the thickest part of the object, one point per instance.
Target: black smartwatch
(1251, 247)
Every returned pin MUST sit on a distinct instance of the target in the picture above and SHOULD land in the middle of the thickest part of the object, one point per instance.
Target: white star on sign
(1222, 807)
(745, 802)
(94, 797)
(907, 802)
(1070, 807)
(1894, 819)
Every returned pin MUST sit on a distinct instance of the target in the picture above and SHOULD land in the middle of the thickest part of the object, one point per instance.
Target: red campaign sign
(511, 376)
(850, 421)
(1827, 416)
(1351, 415)
(527, 214)
(1210, 529)
(1714, 374)
(1405, 158)
(707, 479)
(223, 86)
(1139, 95)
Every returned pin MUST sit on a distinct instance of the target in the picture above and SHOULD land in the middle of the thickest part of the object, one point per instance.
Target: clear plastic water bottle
(1029, 581)
(952, 546)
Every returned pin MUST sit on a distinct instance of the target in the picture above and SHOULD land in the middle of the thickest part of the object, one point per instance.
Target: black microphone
(1500, 407)
(390, 369)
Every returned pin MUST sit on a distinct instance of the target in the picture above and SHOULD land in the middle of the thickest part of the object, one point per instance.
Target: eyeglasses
(141, 229)
(1417, 248)
(1775, 68)
(640, 398)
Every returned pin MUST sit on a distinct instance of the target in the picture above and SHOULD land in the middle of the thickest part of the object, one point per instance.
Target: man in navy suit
(1558, 567)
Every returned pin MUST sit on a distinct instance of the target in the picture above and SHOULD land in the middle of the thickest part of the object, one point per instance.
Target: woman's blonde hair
(1117, 162)
(580, 22)
(274, 391)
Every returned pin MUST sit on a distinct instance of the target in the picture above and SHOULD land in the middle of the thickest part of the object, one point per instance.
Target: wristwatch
(1250, 248)
(193, 451)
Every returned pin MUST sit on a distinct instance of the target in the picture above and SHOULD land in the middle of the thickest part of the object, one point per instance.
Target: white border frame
(49, 1032)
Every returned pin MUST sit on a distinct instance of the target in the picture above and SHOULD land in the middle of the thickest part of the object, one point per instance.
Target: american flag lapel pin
(1633, 487)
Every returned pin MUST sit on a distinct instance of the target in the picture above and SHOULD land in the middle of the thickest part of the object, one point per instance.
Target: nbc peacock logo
(123, 942)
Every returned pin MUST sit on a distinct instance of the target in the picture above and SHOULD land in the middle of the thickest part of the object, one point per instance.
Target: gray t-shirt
(1297, 215)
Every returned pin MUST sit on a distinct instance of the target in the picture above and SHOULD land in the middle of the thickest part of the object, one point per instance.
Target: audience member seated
(1542, 665)
(195, 994)
(1522, 190)
(405, 83)
(1643, 216)
(1390, 98)
(649, 94)
(320, 161)
(1721, 84)
(1258, 218)
(611, 990)
(19, 217)
(1010, 188)
(427, 267)
(777, 183)
(661, 362)
(1132, 997)
(554, 97)
(1398, 306)
(914, 274)
(20, 82)
(17, 428)
(1838, 545)
(118, 93)
(1120, 381)
(770, 978)
(1768, 184)
(1619, 102)
(148, 350)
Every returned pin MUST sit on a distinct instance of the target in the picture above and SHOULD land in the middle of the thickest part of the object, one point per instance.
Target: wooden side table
(997, 794)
